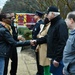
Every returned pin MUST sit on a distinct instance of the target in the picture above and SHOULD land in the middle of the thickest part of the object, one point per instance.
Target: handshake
(33, 42)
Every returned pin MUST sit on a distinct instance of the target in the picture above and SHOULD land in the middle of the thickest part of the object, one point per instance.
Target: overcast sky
(2, 2)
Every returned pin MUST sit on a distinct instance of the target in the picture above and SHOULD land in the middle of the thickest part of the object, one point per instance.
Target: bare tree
(65, 6)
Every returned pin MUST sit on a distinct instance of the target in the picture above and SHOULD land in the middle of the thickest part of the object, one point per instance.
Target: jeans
(2, 63)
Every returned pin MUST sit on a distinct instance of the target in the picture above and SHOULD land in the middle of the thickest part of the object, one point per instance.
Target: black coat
(36, 29)
(56, 38)
(6, 41)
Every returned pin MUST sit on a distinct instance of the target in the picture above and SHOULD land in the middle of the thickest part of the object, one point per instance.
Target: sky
(2, 2)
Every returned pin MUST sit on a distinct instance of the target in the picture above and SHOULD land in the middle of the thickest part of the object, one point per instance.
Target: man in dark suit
(36, 29)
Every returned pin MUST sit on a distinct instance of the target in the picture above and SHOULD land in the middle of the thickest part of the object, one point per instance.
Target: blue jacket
(69, 54)
(6, 41)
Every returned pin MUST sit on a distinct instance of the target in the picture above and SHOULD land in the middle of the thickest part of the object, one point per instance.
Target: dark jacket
(36, 29)
(6, 41)
(56, 38)
(14, 30)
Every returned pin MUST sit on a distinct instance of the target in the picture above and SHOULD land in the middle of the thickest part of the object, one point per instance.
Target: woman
(42, 48)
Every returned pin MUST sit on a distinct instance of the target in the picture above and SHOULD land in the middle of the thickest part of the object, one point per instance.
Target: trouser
(40, 70)
(14, 62)
(47, 70)
(57, 70)
(2, 63)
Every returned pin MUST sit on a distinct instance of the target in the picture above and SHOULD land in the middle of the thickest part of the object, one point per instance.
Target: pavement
(26, 62)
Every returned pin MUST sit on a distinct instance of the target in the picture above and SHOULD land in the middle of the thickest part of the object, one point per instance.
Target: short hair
(2, 16)
(71, 15)
(56, 13)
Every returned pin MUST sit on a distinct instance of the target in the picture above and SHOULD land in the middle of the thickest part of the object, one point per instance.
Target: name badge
(35, 29)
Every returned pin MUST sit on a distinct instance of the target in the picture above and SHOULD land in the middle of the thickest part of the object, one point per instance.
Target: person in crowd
(6, 41)
(69, 50)
(42, 48)
(36, 29)
(13, 55)
(56, 40)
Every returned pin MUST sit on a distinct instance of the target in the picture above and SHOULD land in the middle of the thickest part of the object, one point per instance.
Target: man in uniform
(36, 29)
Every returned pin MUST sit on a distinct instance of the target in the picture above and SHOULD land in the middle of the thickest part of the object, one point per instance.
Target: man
(36, 29)
(6, 41)
(69, 50)
(56, 39)
(13, 54)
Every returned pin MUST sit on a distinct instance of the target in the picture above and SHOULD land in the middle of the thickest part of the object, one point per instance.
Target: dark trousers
(40, 70)
(14, 63)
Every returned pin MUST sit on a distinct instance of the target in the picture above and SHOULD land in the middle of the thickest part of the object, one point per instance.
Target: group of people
(50, 38)
(54, 43)
(53, 47)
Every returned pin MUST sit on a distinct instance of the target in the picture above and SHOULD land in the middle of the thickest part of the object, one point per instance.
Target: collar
(72, 32)
(38, 20)
(54, 20)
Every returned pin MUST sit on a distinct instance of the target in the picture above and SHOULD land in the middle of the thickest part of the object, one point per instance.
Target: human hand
(33, 42)
(21, 38)
(55, 63)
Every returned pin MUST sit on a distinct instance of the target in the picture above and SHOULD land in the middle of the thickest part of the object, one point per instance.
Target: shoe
(39, 74)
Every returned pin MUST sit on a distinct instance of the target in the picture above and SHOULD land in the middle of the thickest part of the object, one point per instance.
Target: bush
(25, 32)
